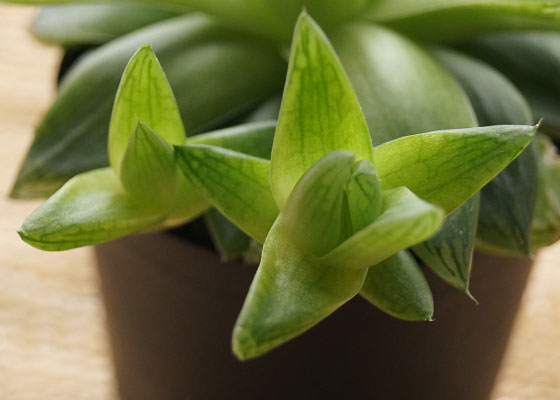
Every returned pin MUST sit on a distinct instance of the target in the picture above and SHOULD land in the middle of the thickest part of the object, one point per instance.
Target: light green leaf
(91, 208)
(254, 139)
(447, 167)
(507, 202)
(402, 89)
(405, 220)
(546, 222)
(397, 286)
(320, 112)
(363, 193)
(209, 72)
(85, 24)
(446, 20)
(229, 240)
(235, 183)
(314, 211)
(148, 171)
(449, 252)
(144, 94)
(291, 292)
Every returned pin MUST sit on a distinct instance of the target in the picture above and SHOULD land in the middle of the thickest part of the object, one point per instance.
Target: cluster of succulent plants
(405, 134)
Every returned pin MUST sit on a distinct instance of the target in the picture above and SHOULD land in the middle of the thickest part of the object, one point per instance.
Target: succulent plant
(403, 136)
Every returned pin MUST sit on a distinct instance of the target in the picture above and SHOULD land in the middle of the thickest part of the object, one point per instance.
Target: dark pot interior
(171, 307)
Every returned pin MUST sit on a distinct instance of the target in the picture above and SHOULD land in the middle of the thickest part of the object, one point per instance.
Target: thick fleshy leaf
(207, 67)
(144, 94)
(402, 89)
(363, 194)
(91, 208)
(314, 211)
(235, 183)
(507, 202)
(546, 222)
(398, 287)
(449, 252)
(229, 240)
(270, 18)
(445, 20)
(86, 24)
(254, 139)
(532, 61)
(405, 221)
(320, 112)
(447, 167)
(291, 292)
(148, 171)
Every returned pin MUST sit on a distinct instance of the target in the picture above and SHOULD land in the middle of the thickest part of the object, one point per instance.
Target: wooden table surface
(52, 338)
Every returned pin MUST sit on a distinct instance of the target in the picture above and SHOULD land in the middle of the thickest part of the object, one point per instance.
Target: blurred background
(52, 337)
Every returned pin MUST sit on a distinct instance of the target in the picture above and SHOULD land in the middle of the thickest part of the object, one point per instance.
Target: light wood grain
(52, 339)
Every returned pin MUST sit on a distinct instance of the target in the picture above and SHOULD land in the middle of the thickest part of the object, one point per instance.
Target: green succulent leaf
(86, 24)
(447, 167)
(148, 171)
(320, 112)
(451, 20)
(314, 211)
(449, 252)
(402, 89)
(363, 194)
(291, 292)
(235, 183)
(207, 67)
(507, 202)
(546, 222)
(144, 94)
(254, 138)
(405, 220)
(91, 208)
(532, 61)
(398, 287)
(230, 241)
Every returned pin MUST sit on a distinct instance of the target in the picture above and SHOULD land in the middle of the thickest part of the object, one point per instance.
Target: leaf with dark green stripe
(230, 241)
(85, 24)
(89, 209)
(207, 67)
(507, 202)
(402, 89)
(234, 183)
(254, 138)
(447, 167)
(398, 287)
(405, 220)
(320, 112)
(546, 222)
(291, 292)
(445, 20)
(449, 252)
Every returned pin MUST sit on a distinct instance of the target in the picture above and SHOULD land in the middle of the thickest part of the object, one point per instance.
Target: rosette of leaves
(227, 67)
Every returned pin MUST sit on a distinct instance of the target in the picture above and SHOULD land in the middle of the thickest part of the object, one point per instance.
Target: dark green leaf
(546, 222)
(215, 73)
(507, 202)
(397, 286)
(402, 89)
(84, 24)
(445, 20)
(449, 252)
(320, 112)
(229, 240)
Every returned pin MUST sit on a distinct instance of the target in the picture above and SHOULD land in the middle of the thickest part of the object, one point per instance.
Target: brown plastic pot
(171, 307)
